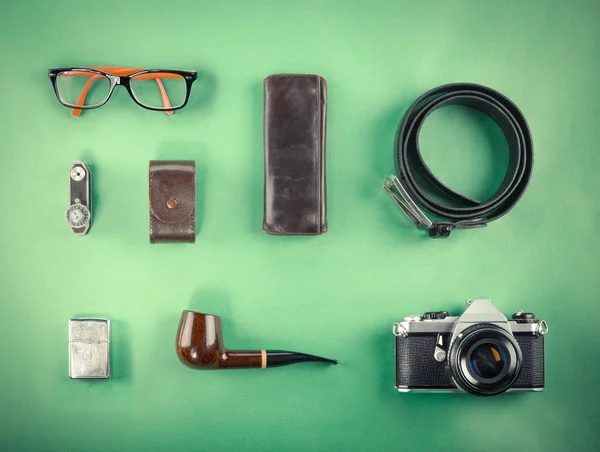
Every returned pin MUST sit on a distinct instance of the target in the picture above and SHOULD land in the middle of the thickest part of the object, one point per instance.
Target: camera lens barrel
(485, 360)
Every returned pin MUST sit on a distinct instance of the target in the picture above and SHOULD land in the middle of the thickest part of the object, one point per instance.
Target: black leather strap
(453, 209)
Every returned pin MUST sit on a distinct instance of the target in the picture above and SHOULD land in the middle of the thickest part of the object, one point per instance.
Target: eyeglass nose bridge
(115, 79)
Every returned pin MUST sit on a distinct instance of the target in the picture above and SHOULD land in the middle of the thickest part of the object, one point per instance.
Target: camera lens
(485, 360)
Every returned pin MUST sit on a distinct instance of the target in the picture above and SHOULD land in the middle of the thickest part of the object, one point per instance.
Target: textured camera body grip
(532, 370)
(417, 369)
(415, 366)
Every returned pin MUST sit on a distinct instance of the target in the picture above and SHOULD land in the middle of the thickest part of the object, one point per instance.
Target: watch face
(78, 216)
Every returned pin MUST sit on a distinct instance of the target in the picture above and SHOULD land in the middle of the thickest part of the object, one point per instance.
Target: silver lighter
(89, 348)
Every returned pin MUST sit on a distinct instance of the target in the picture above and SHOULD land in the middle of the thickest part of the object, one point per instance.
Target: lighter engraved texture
(89, 360)
(89, 331)
(89, 348)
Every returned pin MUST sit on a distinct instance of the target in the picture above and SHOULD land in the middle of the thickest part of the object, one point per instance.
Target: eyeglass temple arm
(118, 71)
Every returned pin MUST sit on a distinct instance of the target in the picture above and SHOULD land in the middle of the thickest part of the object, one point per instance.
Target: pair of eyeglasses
(91, 87)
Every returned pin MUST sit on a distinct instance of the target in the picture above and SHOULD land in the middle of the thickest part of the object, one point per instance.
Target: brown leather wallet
(172, 196)
(295, 127)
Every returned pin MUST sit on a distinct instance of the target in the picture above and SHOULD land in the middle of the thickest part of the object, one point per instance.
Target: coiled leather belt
(416, 186)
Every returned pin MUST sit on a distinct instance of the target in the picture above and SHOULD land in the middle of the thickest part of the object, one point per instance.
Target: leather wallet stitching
(319, 152)
(150, 203)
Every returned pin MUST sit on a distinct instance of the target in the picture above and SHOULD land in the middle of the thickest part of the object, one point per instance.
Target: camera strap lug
(399, 330)
(541, 329)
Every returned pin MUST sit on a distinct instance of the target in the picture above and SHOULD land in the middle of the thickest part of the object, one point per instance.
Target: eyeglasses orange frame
(122, 76)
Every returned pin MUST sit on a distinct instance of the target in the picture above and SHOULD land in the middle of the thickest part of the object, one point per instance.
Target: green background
(336, 295)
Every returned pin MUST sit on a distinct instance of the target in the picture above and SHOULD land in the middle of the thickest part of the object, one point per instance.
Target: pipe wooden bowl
(200, 345)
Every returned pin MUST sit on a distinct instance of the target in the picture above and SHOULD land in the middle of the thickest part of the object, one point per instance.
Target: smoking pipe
(200, 346)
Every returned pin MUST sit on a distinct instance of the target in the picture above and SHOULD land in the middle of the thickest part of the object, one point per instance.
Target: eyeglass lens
(81, 88)
(159, 89)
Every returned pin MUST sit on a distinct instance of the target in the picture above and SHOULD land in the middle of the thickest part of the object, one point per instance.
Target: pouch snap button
(172, 203)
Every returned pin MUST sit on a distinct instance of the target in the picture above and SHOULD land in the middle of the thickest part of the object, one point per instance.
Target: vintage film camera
(480, 352)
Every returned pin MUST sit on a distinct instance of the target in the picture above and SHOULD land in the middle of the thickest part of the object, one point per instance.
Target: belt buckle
(401, 197)
(403, 200)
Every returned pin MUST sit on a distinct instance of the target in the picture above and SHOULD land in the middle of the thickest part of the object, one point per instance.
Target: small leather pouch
(295, 126)
(172, 201)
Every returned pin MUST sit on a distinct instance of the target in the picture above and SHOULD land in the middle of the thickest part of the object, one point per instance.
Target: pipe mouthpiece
(283, 358)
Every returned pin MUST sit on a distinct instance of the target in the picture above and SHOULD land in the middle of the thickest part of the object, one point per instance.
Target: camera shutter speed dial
(523, 317)
(78, 216)
(437, 315)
